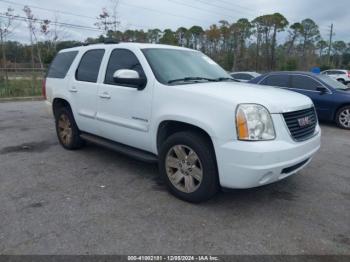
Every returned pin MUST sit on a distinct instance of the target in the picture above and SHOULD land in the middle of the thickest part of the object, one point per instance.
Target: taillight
(349, 74)
(43, 90)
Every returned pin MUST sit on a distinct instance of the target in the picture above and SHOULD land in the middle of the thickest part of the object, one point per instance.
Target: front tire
(67, 130)
(343, 117)
(188, 166)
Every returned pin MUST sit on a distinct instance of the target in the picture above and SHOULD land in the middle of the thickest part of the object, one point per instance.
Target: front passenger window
(122, 59)
(304, 82)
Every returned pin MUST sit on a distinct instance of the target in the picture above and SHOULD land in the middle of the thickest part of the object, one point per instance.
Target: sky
(162, 14)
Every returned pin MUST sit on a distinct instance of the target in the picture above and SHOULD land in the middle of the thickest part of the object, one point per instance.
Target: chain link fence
(21, 82)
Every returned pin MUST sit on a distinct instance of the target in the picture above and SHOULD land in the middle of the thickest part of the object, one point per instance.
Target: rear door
(341, 75)
(307, 85)
(124, 112)
(332, 74)
(83, 90)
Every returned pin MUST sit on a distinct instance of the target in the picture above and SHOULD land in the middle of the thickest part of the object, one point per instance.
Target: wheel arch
(58, 103)
(338, 108)
(168, 127)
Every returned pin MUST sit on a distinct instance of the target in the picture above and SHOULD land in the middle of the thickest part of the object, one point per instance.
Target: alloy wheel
(344, 118)
(184, 168)
(65, 131)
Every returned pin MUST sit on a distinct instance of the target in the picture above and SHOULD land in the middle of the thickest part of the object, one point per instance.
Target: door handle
(105, 95)
(73, 90)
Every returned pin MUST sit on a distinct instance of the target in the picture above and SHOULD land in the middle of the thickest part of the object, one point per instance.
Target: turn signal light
(242, 127)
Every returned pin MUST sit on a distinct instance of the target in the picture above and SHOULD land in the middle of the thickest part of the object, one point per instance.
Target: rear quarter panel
(58, 87)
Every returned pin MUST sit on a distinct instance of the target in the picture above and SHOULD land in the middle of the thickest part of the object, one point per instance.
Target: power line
(50, 10)
(126, 4)
(37, 20)
(240, 6)
(221, 7)
(194, 7)
(63, 12)
(162, 12)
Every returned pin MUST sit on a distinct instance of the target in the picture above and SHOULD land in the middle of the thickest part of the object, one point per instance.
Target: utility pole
(330, 44)
(115, 21)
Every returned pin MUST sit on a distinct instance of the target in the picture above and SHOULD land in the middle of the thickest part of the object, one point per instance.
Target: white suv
(342, 76)
(177, 107)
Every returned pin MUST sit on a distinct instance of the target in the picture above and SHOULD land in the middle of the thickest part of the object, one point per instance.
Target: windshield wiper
(189, 79)
(221, 79)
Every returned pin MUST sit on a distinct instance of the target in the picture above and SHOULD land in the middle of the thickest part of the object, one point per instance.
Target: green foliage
(21, 85)
(346, 60)
(168, 38)
(325, 67)
(291, 65)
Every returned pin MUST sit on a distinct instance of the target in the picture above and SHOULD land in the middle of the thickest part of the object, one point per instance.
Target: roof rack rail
(111, 41)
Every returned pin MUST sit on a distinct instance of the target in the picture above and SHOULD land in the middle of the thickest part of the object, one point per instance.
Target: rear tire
(343, 117)
(67, 130)
(188, 166)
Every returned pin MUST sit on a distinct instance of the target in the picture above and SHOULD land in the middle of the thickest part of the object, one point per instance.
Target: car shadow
(285, 190)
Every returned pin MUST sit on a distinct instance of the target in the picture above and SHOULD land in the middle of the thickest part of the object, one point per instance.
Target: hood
(276, 100)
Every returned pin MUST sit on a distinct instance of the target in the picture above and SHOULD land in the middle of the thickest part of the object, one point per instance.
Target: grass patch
(21, 86)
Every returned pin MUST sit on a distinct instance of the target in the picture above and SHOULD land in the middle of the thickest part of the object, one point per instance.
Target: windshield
(172, 66)
(333, 83)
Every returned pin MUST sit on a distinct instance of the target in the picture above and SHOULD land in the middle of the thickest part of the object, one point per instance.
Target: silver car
(244, 76)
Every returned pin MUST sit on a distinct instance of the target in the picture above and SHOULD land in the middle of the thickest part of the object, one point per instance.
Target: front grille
(301, 124)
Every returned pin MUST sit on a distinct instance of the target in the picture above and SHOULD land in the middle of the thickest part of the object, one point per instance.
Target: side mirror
(322, 90)
(129, 78)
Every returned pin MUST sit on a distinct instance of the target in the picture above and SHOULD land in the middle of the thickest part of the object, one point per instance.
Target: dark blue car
(331, 98)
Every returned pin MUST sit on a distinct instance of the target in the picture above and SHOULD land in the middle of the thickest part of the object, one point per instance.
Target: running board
(120, 148)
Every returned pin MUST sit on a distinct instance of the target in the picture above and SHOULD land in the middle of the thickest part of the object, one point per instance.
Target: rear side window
(122, 59)
(89, 66)
(61, 64)
(277, 80)
(304, 82)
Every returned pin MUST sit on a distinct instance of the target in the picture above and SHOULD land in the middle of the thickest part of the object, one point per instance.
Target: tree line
(268, 42)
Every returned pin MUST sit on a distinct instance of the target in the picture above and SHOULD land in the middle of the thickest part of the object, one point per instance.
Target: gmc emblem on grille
(305, 121)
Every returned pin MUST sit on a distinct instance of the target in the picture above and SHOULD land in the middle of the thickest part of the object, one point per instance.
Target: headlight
(254, 123)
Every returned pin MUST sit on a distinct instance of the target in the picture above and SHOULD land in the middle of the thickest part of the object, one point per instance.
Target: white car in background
(244, 76)
(342, 76)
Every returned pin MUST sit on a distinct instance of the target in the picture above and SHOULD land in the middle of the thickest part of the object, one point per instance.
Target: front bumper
(244, 164)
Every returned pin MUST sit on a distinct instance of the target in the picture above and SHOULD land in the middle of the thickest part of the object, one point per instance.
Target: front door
(124, 112)
(306, 85)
